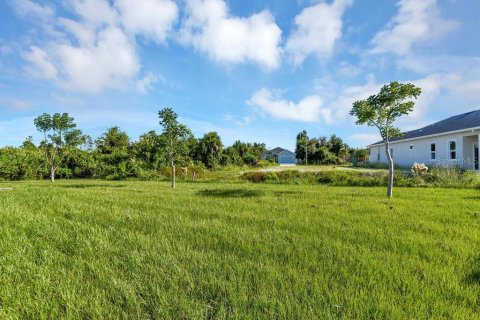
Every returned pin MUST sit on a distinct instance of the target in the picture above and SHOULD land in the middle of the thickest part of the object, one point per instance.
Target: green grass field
(139, 250)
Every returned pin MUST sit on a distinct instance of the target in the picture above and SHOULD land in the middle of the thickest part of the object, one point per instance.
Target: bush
(447, 178)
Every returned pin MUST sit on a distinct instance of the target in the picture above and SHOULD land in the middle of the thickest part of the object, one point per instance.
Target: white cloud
(339, 109)
(210, 29)
(110, 63)
(40, 66)
(431, 88)
(97, 48)
(95, 12)
(32, 9)
(307, 110)
(150, 18)
(348, 70)
(416, 22)
(318, 29)
(365, 139)
(145, 84)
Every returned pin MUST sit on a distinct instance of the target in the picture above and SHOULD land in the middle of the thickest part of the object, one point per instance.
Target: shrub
(419, 169)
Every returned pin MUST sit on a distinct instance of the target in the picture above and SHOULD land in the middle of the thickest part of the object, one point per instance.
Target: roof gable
(278, 150)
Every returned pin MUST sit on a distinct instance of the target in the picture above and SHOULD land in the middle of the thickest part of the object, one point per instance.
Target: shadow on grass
(472, 198)
(87, 186)
(282, 193)
(231, 193)
(473, 277)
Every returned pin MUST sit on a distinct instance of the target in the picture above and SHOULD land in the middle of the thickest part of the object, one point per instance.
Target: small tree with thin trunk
(60, 136)
(175, 136)
(381, 110)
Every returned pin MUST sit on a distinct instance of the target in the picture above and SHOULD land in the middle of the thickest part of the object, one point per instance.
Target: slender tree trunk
(306, 154)
(173, 175)
(52, 174)
(193, 176)
(390, 170)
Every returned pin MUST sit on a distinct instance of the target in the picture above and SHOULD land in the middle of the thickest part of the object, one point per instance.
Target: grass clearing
(97, 249)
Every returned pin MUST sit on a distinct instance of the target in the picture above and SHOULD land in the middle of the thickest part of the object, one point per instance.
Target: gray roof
(277, 150)
(459, 122)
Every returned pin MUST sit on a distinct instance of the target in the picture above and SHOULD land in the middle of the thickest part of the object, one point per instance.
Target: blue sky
(256, 71)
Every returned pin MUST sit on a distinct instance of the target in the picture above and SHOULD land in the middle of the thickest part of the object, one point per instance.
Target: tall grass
(139, 250)
(444, 178)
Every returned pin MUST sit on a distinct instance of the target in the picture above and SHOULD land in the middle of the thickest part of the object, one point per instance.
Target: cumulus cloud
(97, 49)
(33, 9)
(307, 110)
(317, 29)
(110, 63)
(210, 29)
(40, 66)
(151, 18)
(415, 22)
(339, 108)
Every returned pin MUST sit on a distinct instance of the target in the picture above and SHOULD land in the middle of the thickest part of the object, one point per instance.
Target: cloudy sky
(251, 70)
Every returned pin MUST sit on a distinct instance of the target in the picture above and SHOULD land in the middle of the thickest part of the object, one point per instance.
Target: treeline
(325, 150)
(65, 152)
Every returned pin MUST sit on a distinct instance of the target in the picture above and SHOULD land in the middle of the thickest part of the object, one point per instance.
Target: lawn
(139, 250)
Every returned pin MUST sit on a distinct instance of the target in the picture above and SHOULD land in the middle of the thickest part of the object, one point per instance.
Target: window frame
(450, 150)
(433, 152)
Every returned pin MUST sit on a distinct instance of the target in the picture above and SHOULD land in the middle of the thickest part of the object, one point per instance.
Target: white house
(280, 156)
(450, 142)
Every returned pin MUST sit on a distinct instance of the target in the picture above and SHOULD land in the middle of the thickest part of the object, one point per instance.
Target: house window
(411, 147)
(452, 146)
(433, 151)
(378, 156)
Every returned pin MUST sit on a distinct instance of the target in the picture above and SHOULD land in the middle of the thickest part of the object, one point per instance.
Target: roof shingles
(459, 122)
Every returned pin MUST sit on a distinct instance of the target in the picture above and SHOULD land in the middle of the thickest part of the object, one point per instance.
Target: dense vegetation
(115, 156)
(138, 250)
(65, 152)
(323, 150)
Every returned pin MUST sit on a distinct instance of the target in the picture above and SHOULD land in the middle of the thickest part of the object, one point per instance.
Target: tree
(60, 136)
(113, 151)
(148, 149)
(382, 110)
(335, 144)
(210, 148)
(301, 148)
(176, 138)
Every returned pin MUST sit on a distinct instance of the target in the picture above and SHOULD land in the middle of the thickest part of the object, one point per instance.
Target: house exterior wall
(404, 156)
(286, 157)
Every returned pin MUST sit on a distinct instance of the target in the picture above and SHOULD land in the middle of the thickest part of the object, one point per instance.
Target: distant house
(280, 156)
(450, 142)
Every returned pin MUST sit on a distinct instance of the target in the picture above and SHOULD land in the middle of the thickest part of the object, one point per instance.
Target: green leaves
(175, 135)
(381, 110)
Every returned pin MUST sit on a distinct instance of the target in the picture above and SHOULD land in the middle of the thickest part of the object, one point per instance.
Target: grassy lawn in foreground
(95, 249)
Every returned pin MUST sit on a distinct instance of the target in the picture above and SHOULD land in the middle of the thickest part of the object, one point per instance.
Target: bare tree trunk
(173, 175)
(52, 174)
(306, 154)
(390, 170)
(193, 176)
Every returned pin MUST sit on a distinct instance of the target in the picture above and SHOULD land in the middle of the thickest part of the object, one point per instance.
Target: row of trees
(325, 150)
(66, 152)
(65, 148)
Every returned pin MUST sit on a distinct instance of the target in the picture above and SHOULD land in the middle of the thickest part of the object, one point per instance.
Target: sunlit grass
(94, 249)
